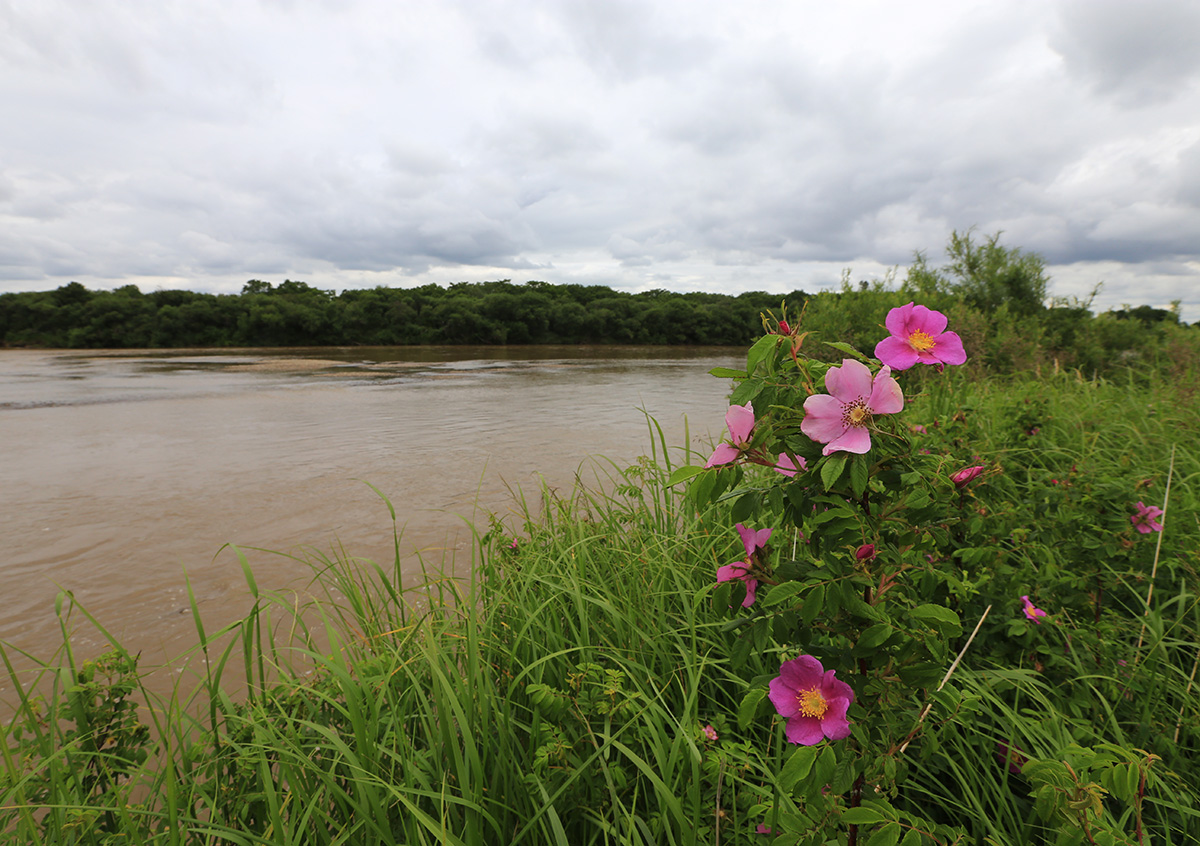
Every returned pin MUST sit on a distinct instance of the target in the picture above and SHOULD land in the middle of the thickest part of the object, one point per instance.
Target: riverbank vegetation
(999, 296)
(295, 314)
(601, 678)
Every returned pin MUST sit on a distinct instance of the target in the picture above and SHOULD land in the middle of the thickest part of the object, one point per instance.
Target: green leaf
(763, 347)
(247, 572)
(822, 771)
(853, 602)
(832, 469)
(843, 776)
(888, 835)
(913, 838)
(843, 347)
(938, 617)
(1129, 786)
(701, 491)
(917, 498)
(921, 673)
(745, 507)
(872, 638)
(682, 474)
(862, 816)
(749, 707)
(813, 603)
(783, 593)
(975, 554)
(761, 632)
(740, 653)
(839, 511)
(797, 767)
(1016, 628)
(858, 474)
(745, 392)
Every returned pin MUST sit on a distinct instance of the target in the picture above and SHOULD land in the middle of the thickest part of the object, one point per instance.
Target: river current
(120, 471)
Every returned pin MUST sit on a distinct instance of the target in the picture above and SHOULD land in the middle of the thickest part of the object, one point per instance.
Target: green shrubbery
(296, 314)
(593, 682)
(996, 295)
(562, 696)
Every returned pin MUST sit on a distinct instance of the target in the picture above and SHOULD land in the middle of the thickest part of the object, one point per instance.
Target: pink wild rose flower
(739, 419)
(918, 335)
(1146, 519)
(709, 733)
(840, 418)
(752, 541)
(812, 701)
(1013, 756)
(787, 467)
(966, 476)
(1032, 612)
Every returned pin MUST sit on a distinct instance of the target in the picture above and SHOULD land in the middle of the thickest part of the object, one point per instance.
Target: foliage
(296, 314)
(894, 546)
(591, 682)
(995, 294)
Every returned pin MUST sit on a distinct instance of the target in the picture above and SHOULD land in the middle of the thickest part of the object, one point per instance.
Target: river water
(119, 471)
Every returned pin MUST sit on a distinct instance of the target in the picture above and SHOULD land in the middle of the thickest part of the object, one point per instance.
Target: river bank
(586, 685)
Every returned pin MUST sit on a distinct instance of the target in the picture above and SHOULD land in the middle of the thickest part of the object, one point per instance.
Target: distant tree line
(296, 314)
(996, 297)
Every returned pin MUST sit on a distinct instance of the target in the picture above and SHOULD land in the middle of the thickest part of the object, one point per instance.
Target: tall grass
(556, 693)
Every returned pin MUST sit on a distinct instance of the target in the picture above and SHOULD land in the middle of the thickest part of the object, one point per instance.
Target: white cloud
(697, 145)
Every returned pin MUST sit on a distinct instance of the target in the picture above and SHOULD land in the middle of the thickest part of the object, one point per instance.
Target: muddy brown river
(119, 471)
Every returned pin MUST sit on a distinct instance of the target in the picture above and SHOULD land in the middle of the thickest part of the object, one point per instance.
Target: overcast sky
(679, 144)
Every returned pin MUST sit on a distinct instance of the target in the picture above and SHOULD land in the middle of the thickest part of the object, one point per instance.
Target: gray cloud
(697, 145)
(1138, 55)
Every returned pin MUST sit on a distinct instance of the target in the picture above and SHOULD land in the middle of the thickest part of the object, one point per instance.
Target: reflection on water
(119, 471)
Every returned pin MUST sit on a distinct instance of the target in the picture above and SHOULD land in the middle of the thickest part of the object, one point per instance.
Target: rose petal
(739, 571)
(804, 730)
(855, 439)
(783, 698)
(787, 467)
(802, 673)
(752, 539)
(723, 454)
(896, 352)
(740, 420)
(949, 348)
(886, 396)
(850, 382)
(897, 321)
(834, 688)
(733, 572)
(823, 418)
(834, 724)
(925, 319)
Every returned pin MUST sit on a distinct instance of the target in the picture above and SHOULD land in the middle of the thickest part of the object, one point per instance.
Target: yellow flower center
(812, 703)
(921, 341)
(856, 414)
